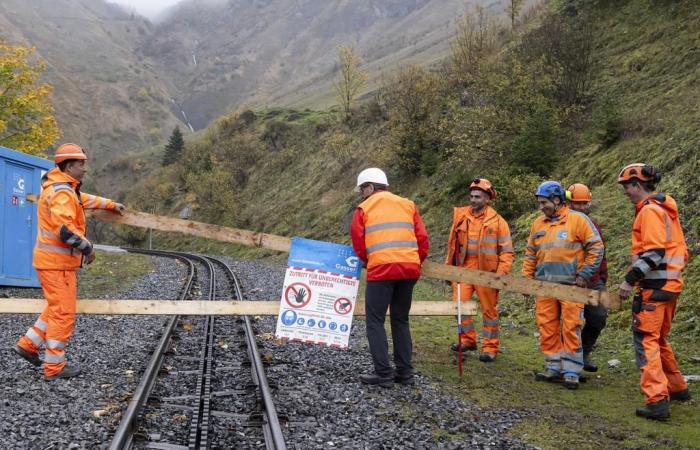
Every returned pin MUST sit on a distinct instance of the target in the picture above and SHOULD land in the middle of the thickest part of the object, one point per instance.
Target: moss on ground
(598, 415)
(112, 272)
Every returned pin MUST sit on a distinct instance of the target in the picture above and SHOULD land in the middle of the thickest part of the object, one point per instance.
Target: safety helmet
(69, 151)
(551, 189)
(371, 175)
(484, 185)
(640, 172)
(579, 192)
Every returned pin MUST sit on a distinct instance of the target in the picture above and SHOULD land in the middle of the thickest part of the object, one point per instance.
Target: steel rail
(199, 425)
(272, 429)
(124, 436)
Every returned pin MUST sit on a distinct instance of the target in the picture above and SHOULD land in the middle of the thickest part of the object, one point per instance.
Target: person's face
(478, 199)
(366, 190)
(76, 169)
(547, 206)
(583, 207)
(634, 192)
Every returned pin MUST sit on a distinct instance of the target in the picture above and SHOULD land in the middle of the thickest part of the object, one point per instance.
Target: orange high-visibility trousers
(559, 323)
(488, 297)
(55, 324)
(660, 375)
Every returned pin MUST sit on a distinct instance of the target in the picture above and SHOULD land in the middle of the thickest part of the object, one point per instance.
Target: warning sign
(342, 306)
(320, 287)
(297, 295)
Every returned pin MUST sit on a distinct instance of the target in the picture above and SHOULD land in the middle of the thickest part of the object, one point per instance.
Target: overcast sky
(148, 8)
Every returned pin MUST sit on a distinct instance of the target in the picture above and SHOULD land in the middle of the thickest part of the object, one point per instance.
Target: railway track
(205, 385)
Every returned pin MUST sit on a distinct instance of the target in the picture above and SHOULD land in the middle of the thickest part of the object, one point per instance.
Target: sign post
(319, 293)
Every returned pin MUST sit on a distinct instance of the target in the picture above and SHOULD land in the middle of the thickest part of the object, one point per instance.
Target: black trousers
(379, 295)
(596, 317)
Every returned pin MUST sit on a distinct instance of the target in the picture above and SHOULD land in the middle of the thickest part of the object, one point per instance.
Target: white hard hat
(371, 175)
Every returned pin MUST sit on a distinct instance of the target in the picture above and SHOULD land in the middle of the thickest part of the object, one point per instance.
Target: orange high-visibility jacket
(61, 242)
(388, 233)
(659, 251)
(494, 246)
(564, 247)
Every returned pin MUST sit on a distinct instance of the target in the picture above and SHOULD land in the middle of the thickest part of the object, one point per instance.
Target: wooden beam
(430, 269)
(205, 230)
(522, 285)
(205, 308)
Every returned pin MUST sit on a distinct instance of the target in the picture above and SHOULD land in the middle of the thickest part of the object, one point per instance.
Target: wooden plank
(430, 269)
(205, 230)
(202, 307)
(522, 285)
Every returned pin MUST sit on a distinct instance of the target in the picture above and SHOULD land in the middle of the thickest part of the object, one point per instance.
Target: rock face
(224, 53)
(106, 97)
(122, 83)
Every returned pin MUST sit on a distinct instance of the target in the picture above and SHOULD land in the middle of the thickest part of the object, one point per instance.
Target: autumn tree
(412, 97)
(26, 113)
(350, 77)
(174, 147)
(475, 39)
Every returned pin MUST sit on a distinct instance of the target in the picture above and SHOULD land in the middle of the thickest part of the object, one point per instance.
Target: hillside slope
(292, 173)
(226, 54)
(105, 97)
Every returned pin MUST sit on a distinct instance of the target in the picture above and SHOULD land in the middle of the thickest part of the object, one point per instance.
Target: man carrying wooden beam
(61, 247)
(564, 247)
(479, 239)
(659, 255)
(389, 237)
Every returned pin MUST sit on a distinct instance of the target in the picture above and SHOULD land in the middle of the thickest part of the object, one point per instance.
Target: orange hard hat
(639, 171)
(69, 151)
(484, 185)
(579, 192)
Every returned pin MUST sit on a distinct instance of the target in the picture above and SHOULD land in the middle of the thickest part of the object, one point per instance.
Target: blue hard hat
(551, 189)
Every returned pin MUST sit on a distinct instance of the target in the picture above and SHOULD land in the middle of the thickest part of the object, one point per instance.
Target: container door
(17, 240)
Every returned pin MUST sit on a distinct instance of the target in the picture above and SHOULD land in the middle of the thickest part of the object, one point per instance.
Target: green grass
(598, 415)
(112, 272)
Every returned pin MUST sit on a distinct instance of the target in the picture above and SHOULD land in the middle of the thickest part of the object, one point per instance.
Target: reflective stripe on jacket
(61, 240)
(389, 236)
(659, 251)
(494, 247)
(563, 247)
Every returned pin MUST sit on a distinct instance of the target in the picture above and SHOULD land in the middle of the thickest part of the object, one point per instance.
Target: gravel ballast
(317, 388)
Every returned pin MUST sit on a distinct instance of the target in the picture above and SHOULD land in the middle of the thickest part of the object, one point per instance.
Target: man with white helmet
(389, 237)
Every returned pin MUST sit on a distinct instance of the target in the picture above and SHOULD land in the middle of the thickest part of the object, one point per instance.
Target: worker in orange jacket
(389, 237)
(579, 199)
(564, 247)
(659, 257)
(60, 249)
(479, 239)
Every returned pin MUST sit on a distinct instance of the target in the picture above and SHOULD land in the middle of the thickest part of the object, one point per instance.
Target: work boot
(31, 358)
(487, 357)
(549, 375)
(588, 364)
(571, 382)
(681, 396)
(655, 411)
(379, 380)
(404, 378)
(67, 372)
(465, 347)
